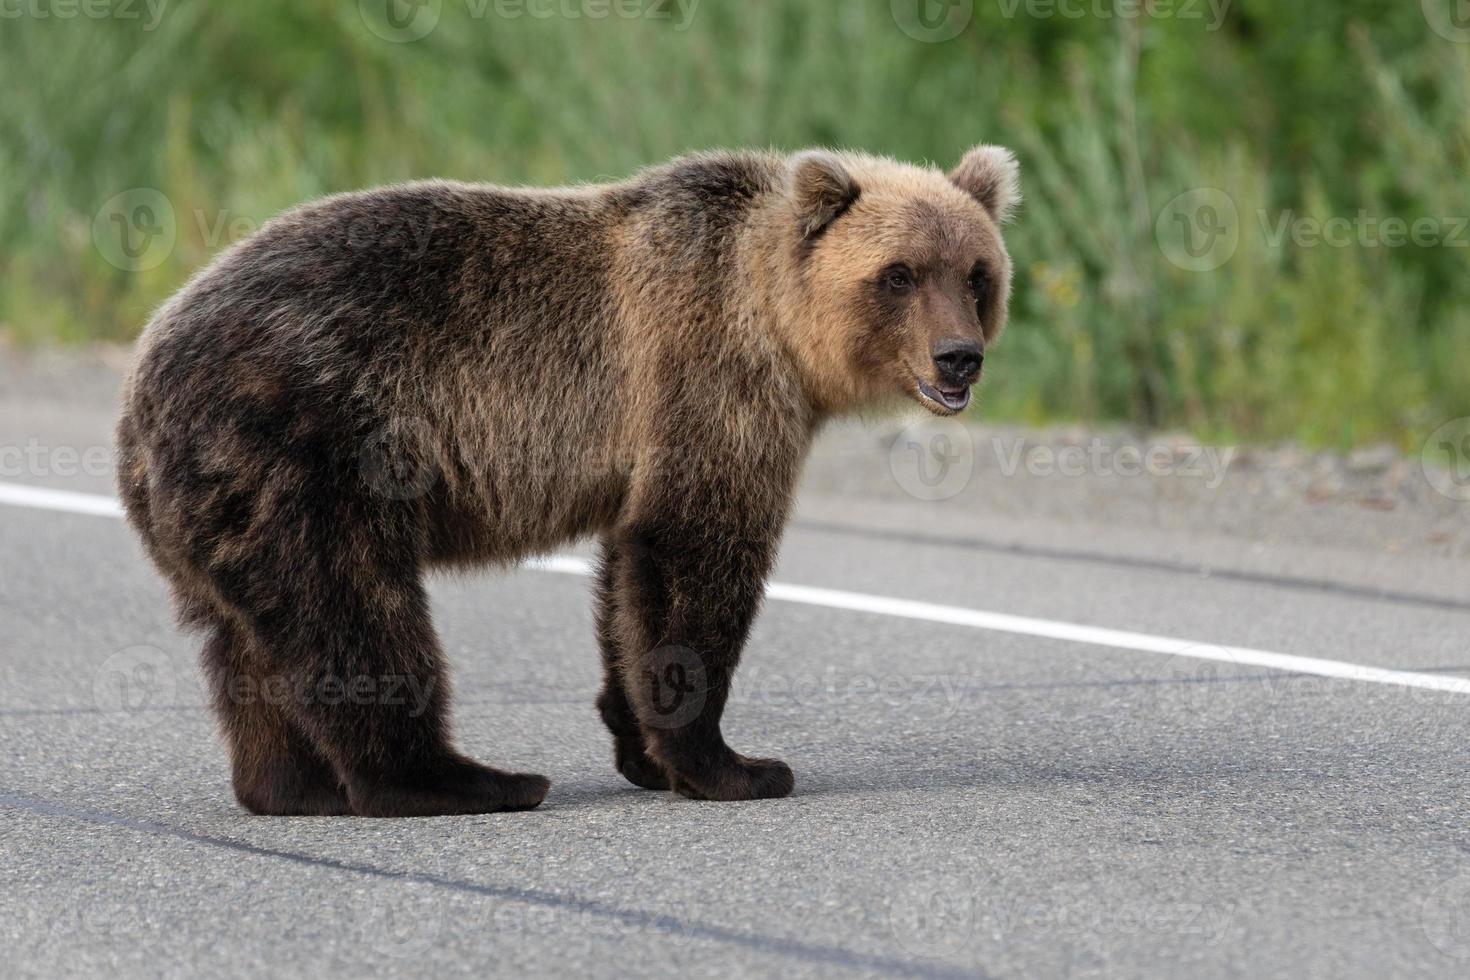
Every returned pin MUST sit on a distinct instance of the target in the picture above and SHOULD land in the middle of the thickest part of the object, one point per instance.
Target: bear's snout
(958, 361)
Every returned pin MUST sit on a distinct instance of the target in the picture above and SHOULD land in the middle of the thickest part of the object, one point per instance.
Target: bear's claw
(462, 787)
(740, 779)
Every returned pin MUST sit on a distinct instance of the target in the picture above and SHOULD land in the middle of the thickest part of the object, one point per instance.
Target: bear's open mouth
(950, 399)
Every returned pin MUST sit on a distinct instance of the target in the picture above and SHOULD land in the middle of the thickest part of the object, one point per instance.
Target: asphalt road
(970, 801)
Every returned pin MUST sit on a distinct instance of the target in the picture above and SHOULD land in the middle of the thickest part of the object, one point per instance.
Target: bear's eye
(899, 278)
(980, 289)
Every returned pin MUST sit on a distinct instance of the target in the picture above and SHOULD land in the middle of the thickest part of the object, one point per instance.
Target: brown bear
(440, 375)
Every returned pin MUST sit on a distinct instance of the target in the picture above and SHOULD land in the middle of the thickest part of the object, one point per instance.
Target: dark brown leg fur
(678, 678)
(630, 752)
(340, 621)
(276, 770)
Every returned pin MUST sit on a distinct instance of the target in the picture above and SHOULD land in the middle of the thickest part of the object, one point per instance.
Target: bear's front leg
(685, 596)
(630, 749)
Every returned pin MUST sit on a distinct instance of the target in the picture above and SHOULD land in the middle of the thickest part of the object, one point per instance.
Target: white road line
(85, 503)
(63, 500)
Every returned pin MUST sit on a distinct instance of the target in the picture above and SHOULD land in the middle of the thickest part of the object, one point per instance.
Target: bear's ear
(991, 175)
(821, 190)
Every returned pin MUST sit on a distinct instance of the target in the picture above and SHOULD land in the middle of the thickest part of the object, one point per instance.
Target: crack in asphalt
(1326, 586)
(669, 925)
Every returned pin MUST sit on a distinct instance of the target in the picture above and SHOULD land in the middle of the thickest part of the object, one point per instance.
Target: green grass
(1319, 109)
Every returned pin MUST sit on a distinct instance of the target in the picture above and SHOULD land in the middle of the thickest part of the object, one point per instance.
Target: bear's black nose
(958, 361)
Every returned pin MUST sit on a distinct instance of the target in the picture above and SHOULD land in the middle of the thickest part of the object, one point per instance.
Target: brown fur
(449, 375)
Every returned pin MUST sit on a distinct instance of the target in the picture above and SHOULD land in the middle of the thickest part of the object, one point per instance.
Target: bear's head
(900, 277)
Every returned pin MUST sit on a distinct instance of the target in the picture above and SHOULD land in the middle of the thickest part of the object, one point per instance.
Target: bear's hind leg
(276, 771)
(343, 617)
(630, 752)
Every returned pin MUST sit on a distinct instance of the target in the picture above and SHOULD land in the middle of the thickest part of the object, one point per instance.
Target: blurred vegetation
(1312, 110)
